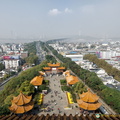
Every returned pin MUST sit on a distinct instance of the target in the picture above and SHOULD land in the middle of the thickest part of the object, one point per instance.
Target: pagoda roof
(89, 96)
(37, 80)
(22, 99)
(71, 79)
(46, 68)
(21, 109)
(88, 106)
(54, 65)
(61, 68)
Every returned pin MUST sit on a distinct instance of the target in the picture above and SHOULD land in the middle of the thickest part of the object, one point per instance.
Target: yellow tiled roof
(89, 96)
(61, 68)
(54, 65)
(88, 106)
(22, 99)
(71, 79)
(37, 80)
(21, 109)
(46, 68)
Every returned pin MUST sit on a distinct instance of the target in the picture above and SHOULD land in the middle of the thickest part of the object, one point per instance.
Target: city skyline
(53, 19)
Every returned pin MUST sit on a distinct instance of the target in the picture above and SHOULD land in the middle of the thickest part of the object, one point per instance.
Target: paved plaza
(56, 101)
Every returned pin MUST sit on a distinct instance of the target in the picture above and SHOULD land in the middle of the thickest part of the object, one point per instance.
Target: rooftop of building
(60, 117)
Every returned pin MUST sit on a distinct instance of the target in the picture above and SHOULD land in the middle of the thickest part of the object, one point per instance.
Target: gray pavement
(56, 99)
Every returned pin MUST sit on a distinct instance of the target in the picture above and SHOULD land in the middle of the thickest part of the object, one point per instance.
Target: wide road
(39, 52)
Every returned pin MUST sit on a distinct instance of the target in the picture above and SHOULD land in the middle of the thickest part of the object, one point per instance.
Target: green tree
(30, 47)
(8, 99)
(26, 88)
(50, 59)
(42, 87)
(32, 59)
(4, 110)
(2, 66)
(66, 88)
(79, 88)
(6, 76)
(63, 82)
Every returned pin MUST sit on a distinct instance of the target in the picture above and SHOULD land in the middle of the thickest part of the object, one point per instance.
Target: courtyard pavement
(56, 100)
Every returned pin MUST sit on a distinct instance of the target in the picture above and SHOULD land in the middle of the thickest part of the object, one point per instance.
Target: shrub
(46, 82)
(63, 82)
(42, 87)
(66, 88)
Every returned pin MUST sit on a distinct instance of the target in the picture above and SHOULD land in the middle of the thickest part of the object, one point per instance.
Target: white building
(11, 63)
(76, 58)
(101, 72)
(107, 54)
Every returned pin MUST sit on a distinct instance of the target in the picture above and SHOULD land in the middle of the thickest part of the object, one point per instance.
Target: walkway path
(56, 99)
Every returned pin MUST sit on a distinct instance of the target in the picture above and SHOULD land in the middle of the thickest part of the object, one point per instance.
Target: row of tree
(109, 95)
(112, 71)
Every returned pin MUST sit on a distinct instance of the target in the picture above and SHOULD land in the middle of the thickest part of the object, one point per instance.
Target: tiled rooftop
(60, 117)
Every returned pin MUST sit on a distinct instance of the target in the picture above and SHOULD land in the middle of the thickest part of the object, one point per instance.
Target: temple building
(53, 68)
(71, 79)
(88, 101)
(37, 81)
(21, 104)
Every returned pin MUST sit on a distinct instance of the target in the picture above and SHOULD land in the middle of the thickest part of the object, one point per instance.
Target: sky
(59, 18)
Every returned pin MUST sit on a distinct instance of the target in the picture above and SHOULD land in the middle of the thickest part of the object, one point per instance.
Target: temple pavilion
(71, 79)
(53, 68)
(21, 104)
(36, 81)
(88, 101)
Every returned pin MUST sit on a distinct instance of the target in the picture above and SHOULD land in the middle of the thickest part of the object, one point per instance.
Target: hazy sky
(53, 18)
